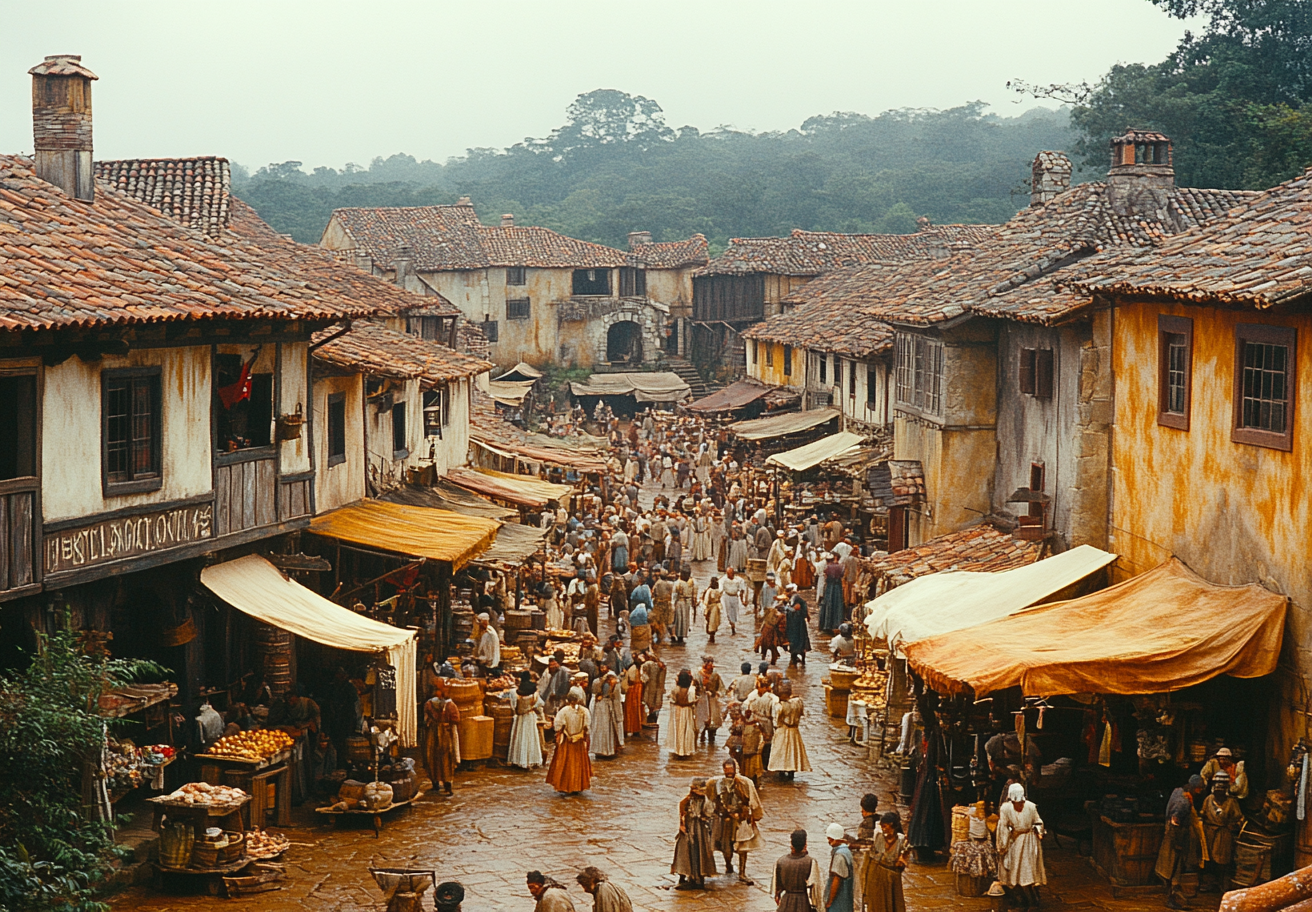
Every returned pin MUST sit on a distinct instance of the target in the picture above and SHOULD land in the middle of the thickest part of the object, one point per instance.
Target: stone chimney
(363, 260)
(638, 238)
(1049, 176)
(403, 263)
(508, 220)
(61, 124)
(1142, 174)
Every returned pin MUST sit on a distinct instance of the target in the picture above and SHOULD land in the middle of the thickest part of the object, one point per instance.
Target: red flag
(239, 391)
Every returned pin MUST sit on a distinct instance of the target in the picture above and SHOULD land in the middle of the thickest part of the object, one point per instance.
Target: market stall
(520, 490)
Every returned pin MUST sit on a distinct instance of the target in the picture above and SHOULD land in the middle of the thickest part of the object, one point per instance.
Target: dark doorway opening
(624, 343)
(592, 282)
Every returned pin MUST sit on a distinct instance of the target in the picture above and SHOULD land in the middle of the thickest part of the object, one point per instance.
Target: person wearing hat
(1020, 848)
(441, 736)
(797, 884)
(1224, 761)
(710, 691)
(838, 896)
(1222, 817)
(1182, 849)
(737, 811)
(694, 852)
(769, 590)
(571, 768)
(487, 648)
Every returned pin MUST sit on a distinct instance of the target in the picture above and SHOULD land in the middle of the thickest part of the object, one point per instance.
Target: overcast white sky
(327, 82)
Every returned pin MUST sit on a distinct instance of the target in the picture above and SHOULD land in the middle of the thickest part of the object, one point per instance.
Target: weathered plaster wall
(452, 448)
(343, 483)
(385, 467)
(71, 431)
(294, 455)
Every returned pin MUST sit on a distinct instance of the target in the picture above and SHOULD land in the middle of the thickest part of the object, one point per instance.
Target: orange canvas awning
(404, 529)
(1162, 631)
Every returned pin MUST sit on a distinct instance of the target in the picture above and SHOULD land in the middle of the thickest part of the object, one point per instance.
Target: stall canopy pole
(378, 579)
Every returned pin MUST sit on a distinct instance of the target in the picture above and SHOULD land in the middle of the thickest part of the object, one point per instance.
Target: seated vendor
(842, 647)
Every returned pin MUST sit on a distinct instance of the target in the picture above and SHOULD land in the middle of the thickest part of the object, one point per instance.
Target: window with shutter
(1026, 379)
(1043, 373)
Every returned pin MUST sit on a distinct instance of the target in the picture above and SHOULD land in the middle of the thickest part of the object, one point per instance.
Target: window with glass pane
(1264, 386)
(1177, 361)
(131, 430)
(919, 372)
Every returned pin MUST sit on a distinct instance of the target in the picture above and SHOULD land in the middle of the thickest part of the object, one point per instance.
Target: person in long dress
(653, 685)
(442, 737)
(796, 628)
(633, 710)
(525, 734)
(763, 705)
(681, 741)
(571, 767)
(551, 605)
(737, 812)
(831, 604)
(737, 554)
(711, 608)
(788, 753)
(685, 596)
(694, 853)
(1020, 847)
(607, 724)
(701, 539)
(710, 691)
(881, 874)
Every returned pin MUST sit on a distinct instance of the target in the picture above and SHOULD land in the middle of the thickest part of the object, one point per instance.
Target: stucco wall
(343, 483)
(452, 448)
(294, 455)
(769, 365)
(71, 431)
(384, 467)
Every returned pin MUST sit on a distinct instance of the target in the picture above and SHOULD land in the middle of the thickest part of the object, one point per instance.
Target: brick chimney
(403, 263)
(508, 220)
(1142, 174)
(1049, 176)
(638, 238)
(61, 124)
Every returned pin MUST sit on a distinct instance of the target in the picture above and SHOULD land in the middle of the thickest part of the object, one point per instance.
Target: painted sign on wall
(116, 539)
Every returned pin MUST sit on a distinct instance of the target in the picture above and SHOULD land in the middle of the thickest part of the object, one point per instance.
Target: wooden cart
(376, 814)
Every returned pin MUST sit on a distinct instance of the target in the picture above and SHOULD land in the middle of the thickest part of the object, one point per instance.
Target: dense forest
(615, 167)
(1236, 100)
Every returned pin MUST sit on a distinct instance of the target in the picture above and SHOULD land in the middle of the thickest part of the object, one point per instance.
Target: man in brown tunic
(796, 881)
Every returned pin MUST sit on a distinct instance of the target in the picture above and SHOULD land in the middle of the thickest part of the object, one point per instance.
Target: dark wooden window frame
(1267, 335)
(788, 360)
(153, 478)
(823, 362)
(402, 450)
(516, 275)
(633, 282)
(518, 309)
(1036, 376)
(491, 330)
(851, 379)
(336, 455)
(1168, 329)
(872, 385)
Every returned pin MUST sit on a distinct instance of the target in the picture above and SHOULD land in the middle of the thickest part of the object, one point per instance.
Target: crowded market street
(502, 822)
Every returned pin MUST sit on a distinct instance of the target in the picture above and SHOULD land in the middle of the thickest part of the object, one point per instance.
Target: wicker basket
(205, 856)
(235, 848)
(176, 841)
(842, 679)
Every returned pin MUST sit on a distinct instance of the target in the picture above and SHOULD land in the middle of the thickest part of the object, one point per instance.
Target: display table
(227, 817)
(1125, 853)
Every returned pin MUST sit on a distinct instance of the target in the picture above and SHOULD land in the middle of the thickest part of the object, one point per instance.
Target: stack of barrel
(273, 647)
(502, 711)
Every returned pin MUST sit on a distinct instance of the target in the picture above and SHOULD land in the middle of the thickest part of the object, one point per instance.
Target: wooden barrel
(467, 696)
(267, 635)
(518, 619)
(539, 619)
(359, 749)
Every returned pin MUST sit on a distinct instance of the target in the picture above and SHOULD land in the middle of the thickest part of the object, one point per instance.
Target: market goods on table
(496, 685)
(261, 844)
(202, 794)
(252, 745)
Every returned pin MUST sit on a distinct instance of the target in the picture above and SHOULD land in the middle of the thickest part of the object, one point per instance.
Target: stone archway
(647, 320)
(624, 343)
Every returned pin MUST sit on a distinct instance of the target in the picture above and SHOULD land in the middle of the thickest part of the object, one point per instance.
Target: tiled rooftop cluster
(808, 253)
(450, 238)
(372, 348)
(193, 191)
(979, 548)
(671, 254)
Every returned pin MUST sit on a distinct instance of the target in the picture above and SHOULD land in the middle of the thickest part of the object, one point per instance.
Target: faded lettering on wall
(116, 539)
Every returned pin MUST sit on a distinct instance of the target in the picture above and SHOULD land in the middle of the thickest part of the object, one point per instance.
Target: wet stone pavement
(503, 822)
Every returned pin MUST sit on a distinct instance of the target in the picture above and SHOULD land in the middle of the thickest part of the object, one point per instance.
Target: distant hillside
(615, 167)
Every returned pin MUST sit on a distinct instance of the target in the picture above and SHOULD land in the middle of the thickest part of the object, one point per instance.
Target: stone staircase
(689, 375)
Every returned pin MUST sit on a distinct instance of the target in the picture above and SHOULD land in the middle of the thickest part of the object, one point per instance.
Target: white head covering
(1016, 792)
(576, 693)
(835, 831)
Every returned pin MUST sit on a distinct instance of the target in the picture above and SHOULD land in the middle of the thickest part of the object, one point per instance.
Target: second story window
(823, 362)
(430, 328)
(400, 447)
(515, 275)
(1175, 344)
(17, 429)
(1036, 372)
(595, 282)
(769, 354)
(851, 379)
(131, 430)
(517, 309)
(336, 428)
(871, 386)
(243, 404)
(1264, 385)
(490, 330)
(788, 360)
(919, 373)
(838, 373)
(633, 282)
(437, 411)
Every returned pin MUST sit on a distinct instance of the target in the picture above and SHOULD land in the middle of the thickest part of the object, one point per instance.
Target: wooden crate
(476, 737)
(836, 702)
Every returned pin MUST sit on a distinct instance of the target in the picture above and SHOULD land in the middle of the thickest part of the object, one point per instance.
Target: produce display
(496, 685)
(252, 745)
(261, 844)
(128, 766)
(202, 794)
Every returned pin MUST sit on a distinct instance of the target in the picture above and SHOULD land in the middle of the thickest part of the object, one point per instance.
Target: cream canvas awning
(812, 454)
(644, 386)
(956, 599)
(510, 392)
(405, 529)
(1162, 631)
(517, 489)
(782, 425)
(256, 587)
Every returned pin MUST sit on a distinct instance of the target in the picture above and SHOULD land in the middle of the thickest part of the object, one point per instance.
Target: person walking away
(797, 883)
(838, 895)
(662, 612)
(550, 896)
(442, 737)
(634, 714)
(639, 628)
(796, 626)
(788, 753)
(694, 853)
(737, 811)
(865, 837)
(1222, 818)
(752, 743)
(1182, 849)
(607, 726)
(763, 705)
(606, 897)
(525, 734)
(712, 599)
(685, 596)
(710, 690)
(744, 685)
(681, 741)
(571, 768)
(773, 630)
(831, 605)
(733, 587)
(1020, 847)
(653, 685)
(882, 878)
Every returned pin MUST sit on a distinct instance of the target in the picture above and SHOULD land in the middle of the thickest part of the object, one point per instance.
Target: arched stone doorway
(624, 343)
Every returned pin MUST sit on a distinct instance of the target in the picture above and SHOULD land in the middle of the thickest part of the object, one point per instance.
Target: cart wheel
(378, 824)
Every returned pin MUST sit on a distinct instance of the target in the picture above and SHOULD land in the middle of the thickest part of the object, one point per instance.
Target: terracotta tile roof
(805, 253)
(68, 263)
(372, 348)
(979, 548)
(451, 238)
(671, 254)
(193, 191)
(62, 65)
(826, 314)
(1259, 255)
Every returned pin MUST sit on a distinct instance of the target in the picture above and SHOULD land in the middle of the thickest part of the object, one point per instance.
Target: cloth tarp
(644, 386)
(446, 496)
(1164, 630)
(515, 542)
(557, 456)
(509, 392)
(405, 529)
(516, 489)
(816, 452)
(520, 372)
(256, 587)
(782, 425)
(955, 599)
(733, 396)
